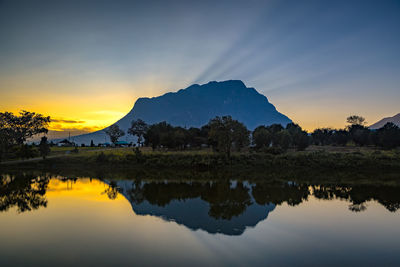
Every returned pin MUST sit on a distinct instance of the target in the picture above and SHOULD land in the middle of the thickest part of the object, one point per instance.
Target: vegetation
(16, 129)
(229, 139)
(114, 132)
(138, 128)
(44, 147)
(275, 136)
(387, 137)
(27, 191)
(226, 133)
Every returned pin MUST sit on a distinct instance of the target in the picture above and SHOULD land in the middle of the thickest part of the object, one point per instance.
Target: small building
(65, 143)
(122, 144)
(104, 144)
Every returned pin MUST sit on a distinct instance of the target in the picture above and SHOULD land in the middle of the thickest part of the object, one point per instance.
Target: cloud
(66, 121)
(63, 128)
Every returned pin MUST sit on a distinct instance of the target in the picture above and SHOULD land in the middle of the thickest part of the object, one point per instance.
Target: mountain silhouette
(196, 105)
(395, 119)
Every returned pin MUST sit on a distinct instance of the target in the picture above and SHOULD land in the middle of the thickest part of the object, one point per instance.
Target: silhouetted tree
(44, 147)
(299, 138)
(91, 143)
(356, 120)
(138, 128)
(359, 134)
(196, 137)
(114, 132)
(274, 129)
(283, 139)
(388, 136)
(322, 136)
(26, 151)
(159, 134)
(16, 129)
(262, 138)
(226, 133)
(19, 128)
(340, 137)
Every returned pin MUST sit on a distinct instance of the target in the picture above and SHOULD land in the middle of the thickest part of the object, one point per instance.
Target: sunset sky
(85, 63)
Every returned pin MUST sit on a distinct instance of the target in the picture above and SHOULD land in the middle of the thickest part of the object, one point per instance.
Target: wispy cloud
(60, 127)
(66, 121)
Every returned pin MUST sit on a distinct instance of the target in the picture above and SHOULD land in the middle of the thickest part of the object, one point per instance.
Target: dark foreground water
(89, 222)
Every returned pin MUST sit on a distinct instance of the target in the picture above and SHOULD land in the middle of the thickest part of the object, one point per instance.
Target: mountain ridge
(379, 124)
(195, 105)
(184, 101)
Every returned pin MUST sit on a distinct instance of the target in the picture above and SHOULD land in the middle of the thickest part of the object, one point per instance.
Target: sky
(85, 63)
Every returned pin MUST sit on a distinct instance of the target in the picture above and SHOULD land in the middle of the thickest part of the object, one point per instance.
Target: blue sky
(316, 61)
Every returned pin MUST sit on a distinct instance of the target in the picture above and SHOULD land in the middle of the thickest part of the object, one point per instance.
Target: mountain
(196, 105)
(55, 135)
(395, 119)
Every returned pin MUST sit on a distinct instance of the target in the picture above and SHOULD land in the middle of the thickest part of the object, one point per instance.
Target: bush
(101, 157)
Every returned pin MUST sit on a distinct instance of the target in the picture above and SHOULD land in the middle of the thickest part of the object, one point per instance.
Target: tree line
(357, 133)
(223, 134)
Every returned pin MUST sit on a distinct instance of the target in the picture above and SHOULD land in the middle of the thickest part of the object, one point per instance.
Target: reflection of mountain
(193, 213)
(229, 211)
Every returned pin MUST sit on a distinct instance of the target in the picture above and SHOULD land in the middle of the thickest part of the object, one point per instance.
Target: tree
(388, 136)
(157, 134)
(356, 120)
(16, 129)
(299, 138)
(91, 143)
(114, 132)
(226, 133)
(283, 139)
(19, 128)
(274, 129)
(138, 128)
(322, 136)
(340, 137)
(262, 138)
(44, 147)
(196, 137)
(360, 134)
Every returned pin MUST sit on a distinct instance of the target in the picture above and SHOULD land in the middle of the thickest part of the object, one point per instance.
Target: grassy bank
(313, 165)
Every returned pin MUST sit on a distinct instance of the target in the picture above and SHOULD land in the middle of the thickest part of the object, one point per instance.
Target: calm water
(68, 222)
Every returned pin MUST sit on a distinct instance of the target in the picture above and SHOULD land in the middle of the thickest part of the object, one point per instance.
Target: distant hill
(51, 135)
(395, 119)
(196, 105)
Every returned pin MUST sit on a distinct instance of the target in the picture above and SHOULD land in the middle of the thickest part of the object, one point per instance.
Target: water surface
(49, 220)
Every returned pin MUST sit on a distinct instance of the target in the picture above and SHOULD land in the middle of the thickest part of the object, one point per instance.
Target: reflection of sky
(317, 61)
(82, 225)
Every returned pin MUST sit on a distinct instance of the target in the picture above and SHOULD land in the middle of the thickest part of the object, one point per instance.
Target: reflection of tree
(388, 196)
(357, 207)
(225, 201)
(112, 191)
(161, 193)
(26, 192)
(277, 193)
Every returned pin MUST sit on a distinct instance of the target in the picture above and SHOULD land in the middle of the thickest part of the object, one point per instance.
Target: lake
(49, 220)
